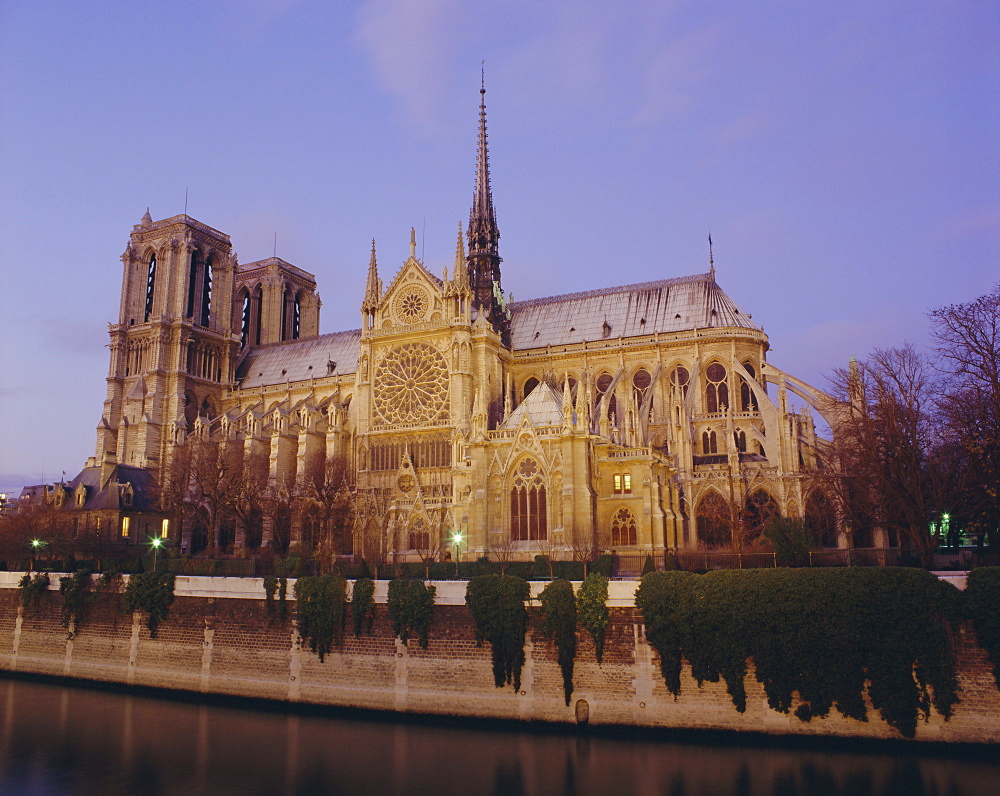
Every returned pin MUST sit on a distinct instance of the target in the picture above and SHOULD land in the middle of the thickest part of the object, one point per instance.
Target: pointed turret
(484, 238)
(373, 288)
(461, 268)
(146, 218)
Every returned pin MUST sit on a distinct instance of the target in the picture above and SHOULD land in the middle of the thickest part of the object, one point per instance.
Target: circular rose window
(411, 385)
(411, 305)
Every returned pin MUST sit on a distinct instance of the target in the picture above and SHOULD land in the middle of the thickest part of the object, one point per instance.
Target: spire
(711, 260)
(146, 218)
(373, 288)
(484, 237)
(461, 269)
(413, 243)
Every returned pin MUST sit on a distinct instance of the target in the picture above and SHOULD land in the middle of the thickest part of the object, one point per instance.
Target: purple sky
(844, 156)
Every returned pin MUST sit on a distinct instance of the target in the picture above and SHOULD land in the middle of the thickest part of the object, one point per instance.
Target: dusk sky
(844, 156)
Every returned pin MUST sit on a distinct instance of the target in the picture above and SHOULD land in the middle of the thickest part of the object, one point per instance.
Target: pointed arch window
(150, 285)
(623, 531)
(748, 398)
(528, 511)
(709, 442)
(680, 378)
(206, 292)
(529, 385)
(740, 438)
(716, 392)
(603, 384)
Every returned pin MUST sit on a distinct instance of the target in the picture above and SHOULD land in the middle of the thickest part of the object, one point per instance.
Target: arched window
(206, 293)
(714, 521)
(150, 284)
(419, 537)
(603, 384)
(716, 393)
(640, 385)
(760, 507)
(528, 517)
(740, 438)
(529, 385)
(709, 442)
(748, 398)
(821, 519)
(680, 378)
(623, 528)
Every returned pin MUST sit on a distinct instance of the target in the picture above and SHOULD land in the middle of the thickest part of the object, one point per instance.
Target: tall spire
(373, 288)
(484, 235)
(711, 260)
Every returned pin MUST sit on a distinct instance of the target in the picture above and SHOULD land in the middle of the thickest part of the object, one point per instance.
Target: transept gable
(543, 407)
(413, 297)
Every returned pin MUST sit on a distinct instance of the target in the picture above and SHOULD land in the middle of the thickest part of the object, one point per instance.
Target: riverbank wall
(220, 639)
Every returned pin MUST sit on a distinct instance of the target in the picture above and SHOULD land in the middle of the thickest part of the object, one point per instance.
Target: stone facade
(629, 418)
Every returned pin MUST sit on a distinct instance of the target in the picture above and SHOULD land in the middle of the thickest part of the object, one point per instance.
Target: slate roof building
(637, 418)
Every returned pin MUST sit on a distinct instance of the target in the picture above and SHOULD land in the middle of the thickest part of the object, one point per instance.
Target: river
(57, 739)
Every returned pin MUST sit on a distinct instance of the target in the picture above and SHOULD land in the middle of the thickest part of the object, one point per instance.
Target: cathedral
(643, 418)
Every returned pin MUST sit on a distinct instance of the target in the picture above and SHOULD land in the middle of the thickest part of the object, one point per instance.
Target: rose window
(412, 305)
(411, 385)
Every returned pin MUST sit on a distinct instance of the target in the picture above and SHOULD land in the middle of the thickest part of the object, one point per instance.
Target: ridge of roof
(607, 291)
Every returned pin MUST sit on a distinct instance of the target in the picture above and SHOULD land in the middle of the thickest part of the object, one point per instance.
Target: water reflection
(67, 740)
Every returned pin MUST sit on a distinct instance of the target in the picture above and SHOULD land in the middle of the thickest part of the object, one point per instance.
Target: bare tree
(213, 471)
(586, 546)
(967, 338)
(328, 498)
(883, 446)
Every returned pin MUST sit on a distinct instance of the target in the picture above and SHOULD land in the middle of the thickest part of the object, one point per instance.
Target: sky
(845, 158)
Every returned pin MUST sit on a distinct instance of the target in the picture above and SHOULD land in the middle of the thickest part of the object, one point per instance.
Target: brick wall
(219, 638)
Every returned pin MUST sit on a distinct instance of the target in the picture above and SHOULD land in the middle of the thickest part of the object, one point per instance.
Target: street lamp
(457, 539)
(36, 547)
(157, 543)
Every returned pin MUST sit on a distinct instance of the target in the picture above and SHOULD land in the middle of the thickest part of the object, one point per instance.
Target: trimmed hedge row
(816, 637)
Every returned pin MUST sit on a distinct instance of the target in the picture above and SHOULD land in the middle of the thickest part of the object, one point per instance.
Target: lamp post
(457, 539)
(36, 546)
(157, 543)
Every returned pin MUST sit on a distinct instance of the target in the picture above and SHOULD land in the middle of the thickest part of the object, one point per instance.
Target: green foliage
(791, 539)
(648, 565)
(321, 611)
(559, 623)
(497, 606)
(820, 634)
(74, 591)
(363, 605)
(983, 608)
(275, 585)
(592, 605)
(603, 565)
(152, 593)
(32, 588)
(411, 608)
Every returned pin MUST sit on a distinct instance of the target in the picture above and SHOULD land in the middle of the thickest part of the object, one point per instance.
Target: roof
(543, 407)
(669, 305)
(297, 360)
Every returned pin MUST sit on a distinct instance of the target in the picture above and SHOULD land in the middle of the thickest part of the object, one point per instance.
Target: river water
(56, 739)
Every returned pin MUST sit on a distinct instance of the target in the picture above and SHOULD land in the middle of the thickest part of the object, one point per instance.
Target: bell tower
(173, 347)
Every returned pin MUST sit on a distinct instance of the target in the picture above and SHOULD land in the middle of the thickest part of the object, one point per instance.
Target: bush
(363, 605)
(648, 565)
(592, 606)
(32, 588)
(819, 634)
(559, 623)
(411, 608)
(320, 609)
(983, 608)
(275, 585)
(74, 593)
(152, 593)
(604, 565)
(497, 606)
(791, 539)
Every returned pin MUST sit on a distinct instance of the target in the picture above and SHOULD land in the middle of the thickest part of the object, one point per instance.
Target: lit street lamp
(36, 547)
(457, 539)
(157, 543)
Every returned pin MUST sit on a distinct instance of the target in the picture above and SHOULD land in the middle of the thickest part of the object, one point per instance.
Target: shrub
(152, 593)
(320, 608)
(604, 565)
(497, 606)
(648, 565)
(559, 623)
(32, 588)
(74, 594)
(363, 605)
(791, 539)
(820, 634)
(592, 605)
(411, 608)
(983, 608)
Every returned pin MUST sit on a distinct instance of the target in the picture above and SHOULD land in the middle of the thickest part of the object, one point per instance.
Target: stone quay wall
(219, 639)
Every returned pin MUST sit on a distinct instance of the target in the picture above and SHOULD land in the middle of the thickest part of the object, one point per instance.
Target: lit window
(126, 521)
(165, 529)
(618, 483)
(627, 483)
